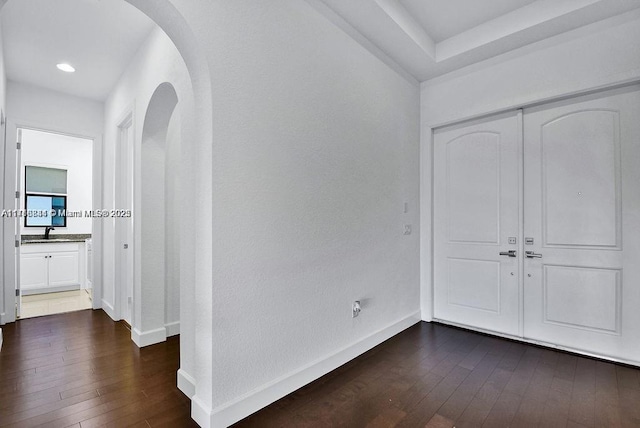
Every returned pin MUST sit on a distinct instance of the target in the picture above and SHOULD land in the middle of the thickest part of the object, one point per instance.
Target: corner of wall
(146, 338)
(173, 328)
(186, 383)
(109, 309)
(202, 414)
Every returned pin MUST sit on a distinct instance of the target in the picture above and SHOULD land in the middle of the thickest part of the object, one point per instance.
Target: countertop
(39, 239)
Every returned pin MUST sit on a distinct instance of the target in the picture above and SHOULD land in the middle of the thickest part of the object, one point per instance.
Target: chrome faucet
(47, 230)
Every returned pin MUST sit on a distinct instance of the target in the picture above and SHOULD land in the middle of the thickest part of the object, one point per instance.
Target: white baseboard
(146, 338)
(110, 310)
(201, 413)
(173, 328)
(186, 383)
(255, 400)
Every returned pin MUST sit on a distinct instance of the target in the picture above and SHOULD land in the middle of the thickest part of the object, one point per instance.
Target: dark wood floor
(437, 376)
(82, 370)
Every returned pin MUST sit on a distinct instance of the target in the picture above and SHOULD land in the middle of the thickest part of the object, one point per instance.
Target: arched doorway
(195, 158)
(154, 289)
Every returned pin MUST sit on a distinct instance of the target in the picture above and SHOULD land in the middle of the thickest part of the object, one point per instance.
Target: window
(45, 196)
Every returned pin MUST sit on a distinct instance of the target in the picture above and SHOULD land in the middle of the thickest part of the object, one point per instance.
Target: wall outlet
(355, 311)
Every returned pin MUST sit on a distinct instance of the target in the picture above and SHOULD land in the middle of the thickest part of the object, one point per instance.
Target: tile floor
(54, 303)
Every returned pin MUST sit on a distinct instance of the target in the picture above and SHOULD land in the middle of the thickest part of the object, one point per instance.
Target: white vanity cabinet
(49, 267)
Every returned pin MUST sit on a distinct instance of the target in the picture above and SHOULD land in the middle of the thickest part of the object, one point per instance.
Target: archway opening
(195, 158)
(158, 287)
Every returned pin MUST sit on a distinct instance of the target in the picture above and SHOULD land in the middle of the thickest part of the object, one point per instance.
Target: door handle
(510, 253)
(532, 255)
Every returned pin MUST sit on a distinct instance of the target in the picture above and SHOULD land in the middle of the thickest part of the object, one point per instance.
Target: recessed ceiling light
(65, 67)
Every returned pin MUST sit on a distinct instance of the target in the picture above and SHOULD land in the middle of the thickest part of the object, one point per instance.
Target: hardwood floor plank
(82, 369)
(429, 375)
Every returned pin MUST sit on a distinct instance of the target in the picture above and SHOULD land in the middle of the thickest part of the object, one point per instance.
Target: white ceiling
(98, 38)
(446, 18)
(420, 38)
(428, 38)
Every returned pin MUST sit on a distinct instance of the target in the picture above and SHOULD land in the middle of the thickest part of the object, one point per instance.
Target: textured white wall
(174, 209)
(3, 95)
(157, 61)
(315, 151)
(51, 110)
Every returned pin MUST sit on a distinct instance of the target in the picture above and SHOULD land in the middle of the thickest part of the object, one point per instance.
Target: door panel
(581, 178)
(581, 162)
(476, 210)
(582, 297)
(474, 205)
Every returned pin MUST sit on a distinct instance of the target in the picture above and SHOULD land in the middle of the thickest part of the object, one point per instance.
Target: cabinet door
(476, 191)
(63, 269)
(33, 271)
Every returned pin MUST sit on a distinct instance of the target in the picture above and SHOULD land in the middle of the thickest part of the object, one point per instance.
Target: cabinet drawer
(48, 248)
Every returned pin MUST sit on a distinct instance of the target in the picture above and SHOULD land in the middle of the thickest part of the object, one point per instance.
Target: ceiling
(446, 18)
(428, 38)
(421, 39)
(99, 38)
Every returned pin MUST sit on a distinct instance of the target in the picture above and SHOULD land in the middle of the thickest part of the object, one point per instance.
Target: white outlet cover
(355, 311)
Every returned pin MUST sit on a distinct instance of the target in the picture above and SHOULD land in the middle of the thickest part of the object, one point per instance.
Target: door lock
(532, 255)
(510, 253)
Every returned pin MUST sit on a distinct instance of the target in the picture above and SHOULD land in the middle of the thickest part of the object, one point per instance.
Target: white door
(476, 212)
(582, 210)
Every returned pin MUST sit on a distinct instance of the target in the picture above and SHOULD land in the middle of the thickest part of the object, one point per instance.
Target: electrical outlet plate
(355, 311)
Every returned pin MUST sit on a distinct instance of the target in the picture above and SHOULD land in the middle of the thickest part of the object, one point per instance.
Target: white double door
(537, 224)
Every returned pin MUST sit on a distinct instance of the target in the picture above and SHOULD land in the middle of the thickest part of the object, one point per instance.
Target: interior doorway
(54, 203)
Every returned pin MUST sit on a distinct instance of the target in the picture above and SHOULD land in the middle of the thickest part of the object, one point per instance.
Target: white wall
(51, 110)
(173, 218)
(157, 61)
(593, 57)
(66, 152)
(315, 151)
(3, 94)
